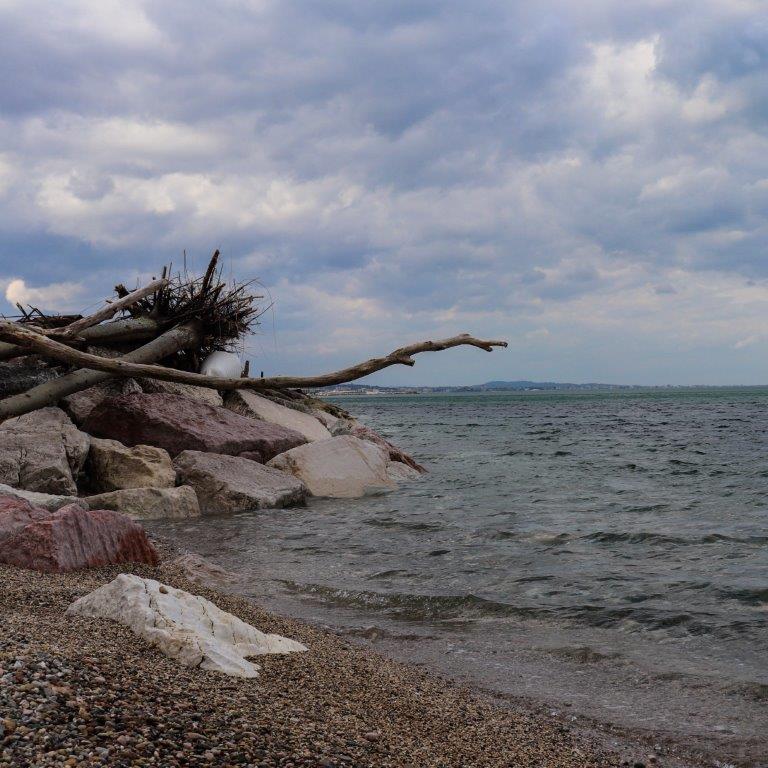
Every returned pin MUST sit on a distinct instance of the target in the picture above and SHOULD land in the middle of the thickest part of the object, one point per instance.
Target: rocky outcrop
(177, 424)
(114, 466)
(48, 501)
(227, 485)
(341, 467)
(201, 394)
(42, 451)
(258, 407)
(79, 405)
(74, 538)
(148, 503)
(16, 513)
(185, 627)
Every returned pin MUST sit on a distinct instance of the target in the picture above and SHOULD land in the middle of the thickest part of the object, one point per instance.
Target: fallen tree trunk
(118, 331)
(128, 367)
(172, 341)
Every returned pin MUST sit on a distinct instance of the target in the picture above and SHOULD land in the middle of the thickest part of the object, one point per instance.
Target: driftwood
(128, 366)
(109, 311)
(49, 393)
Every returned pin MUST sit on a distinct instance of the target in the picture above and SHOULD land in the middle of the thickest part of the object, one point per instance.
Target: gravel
(86, 692)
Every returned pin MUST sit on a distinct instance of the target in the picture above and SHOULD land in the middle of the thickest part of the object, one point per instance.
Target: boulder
(395, 454)
(74, 538)
(114, 466)
(181, 625)
(45, 500)
(226, 485)
(257, 407)
(178, 424)
(148, 503)
(79, 405)
(201, 394)
(23, 373)
(340, 467)
(402, 473)
(42, 451)
(16, 513)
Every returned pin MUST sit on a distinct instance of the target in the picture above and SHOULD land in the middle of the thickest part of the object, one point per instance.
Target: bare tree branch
(123, 367)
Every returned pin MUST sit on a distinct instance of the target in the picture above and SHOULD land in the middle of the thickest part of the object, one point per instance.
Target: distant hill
(489, 386)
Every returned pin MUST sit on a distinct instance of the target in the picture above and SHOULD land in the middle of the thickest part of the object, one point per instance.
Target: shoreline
(114, 700)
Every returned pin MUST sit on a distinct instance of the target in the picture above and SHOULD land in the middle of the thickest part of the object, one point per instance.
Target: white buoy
(224, 364)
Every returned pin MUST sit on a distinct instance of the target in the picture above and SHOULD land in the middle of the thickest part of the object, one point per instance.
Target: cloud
(55, 296)
(404, 169)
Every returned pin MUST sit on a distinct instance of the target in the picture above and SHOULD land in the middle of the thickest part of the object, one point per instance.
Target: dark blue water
(604, 552)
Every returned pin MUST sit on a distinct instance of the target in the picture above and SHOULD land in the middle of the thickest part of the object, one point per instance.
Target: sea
(603, 555)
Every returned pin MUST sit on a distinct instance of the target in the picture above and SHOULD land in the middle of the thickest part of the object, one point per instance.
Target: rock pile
(72, 497)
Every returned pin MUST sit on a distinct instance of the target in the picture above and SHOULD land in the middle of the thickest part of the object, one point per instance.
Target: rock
(340, 467)
(15, 513)
(23, 373)
(74, 538)
(185, 627)
(148, 503)
(329, 420)
(227, 485)
(395, 454)
(258, 407)
(114, 466)
(201, 394)
(178, 424)
(45, 500)
(79, 405)
(402, 473)
(42, 451)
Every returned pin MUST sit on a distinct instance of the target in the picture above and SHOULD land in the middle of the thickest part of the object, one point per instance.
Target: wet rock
(48, 501)
(230, 484)
(149, 503)
(114, 466)
(201, 571)
(42, 451)
(73, 538)
(395, 454)
(184, 626)
(178, 424)
(201, 394)
(340, 467)
(258, 407)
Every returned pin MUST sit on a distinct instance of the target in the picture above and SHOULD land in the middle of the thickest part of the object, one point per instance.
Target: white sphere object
(224, 364)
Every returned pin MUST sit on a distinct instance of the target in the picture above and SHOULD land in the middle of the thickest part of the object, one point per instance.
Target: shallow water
(605, 552)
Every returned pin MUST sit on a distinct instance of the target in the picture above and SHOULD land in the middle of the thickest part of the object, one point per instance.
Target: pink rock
(16, 513)
(179, 424)
(395, 454)
(74, 538)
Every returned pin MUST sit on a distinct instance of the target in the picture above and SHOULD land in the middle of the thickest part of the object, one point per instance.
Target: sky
(588, 180)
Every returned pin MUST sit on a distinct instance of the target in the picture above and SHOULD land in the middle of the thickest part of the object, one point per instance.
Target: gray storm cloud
(590, 180)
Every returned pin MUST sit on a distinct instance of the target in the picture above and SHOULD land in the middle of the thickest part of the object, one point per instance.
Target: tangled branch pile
(162, 331)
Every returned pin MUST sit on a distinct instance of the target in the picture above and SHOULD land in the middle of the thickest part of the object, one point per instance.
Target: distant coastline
(342, 390)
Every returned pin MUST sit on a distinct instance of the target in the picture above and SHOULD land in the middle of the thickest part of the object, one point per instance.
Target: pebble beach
(87, 692)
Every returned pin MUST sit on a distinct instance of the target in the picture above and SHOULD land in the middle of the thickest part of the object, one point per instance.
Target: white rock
(225, 364)
(48, 501)
(342, 467)
(185, 627)
(257, 407)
